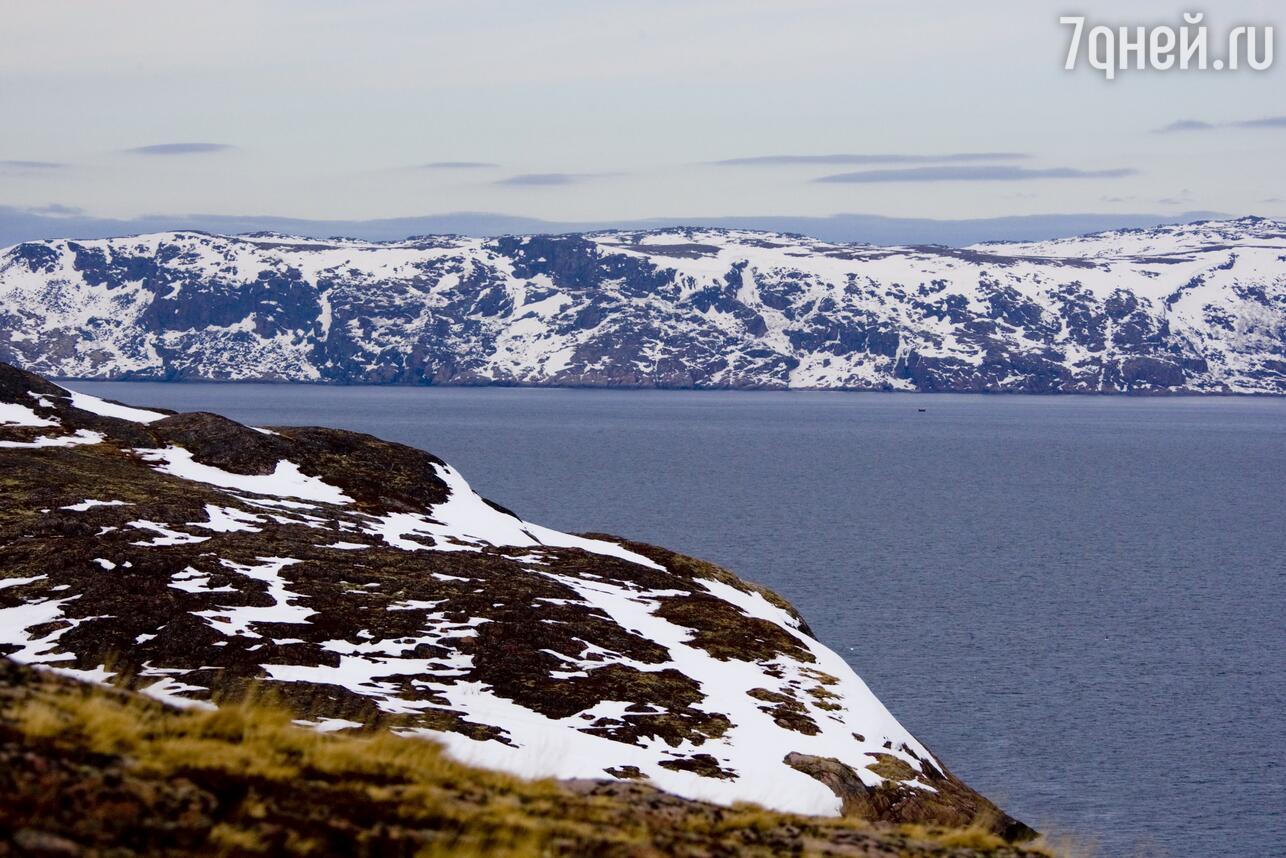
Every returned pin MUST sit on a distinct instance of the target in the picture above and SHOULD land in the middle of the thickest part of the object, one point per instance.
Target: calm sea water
(1076, 602)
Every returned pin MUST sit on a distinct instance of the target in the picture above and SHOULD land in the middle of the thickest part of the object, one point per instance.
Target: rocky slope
(1189, 308)
(363, 583)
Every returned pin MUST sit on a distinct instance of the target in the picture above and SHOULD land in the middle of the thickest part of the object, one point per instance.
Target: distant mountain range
(18, 225)
(1193, 308)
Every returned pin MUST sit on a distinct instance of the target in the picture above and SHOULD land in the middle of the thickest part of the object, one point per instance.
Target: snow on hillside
(1191, 308)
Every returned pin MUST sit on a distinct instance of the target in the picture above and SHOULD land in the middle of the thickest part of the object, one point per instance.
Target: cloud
(1266, 122)
(180, 148)
(18, 164)
(951, 157)
(1198, 125)
(56, 210)
(1184, 125)
(996, 173)
(457, 165)
(1272, 200)
(547, 179)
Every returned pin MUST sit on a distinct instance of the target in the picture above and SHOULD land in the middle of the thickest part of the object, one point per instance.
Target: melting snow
(166, 536)
(15, 621)
(13, 414)
(86, 505)
(329, 725)
(227, 519)
(82, 436)
(195, 581)
(285, 481)
(372, 669)
(98, 674)
(465, 522)
(234, 621)
(169, 690)
(6, 583)
(103, 408)
(547, 747)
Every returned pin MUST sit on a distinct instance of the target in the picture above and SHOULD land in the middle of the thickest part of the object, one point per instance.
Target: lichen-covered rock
(364, 585)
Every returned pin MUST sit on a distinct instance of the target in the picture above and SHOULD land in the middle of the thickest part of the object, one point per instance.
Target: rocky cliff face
(365, 585)
(1189, 308)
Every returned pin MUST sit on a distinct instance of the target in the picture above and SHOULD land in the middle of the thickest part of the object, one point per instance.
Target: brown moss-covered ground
(92, 771)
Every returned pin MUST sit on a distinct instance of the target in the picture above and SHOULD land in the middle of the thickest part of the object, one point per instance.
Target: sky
(588, 111)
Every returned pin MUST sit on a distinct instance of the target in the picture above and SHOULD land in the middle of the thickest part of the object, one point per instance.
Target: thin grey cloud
(19, 164)
(56, 210)
(457, 165)
(1266, 122)
(1198, 125)
(1273, 200)
(997, 173)
(1184, 125)
(547, 179)
(858, 160)
(180, 148)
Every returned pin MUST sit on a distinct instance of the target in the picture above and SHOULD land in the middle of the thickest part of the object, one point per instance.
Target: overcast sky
(602, 109)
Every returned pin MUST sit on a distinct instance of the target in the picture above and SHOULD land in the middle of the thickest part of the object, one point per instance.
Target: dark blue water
(1077, 602)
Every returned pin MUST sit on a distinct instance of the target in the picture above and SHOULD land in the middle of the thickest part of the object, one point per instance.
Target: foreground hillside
(1196, 308)
(85, 772)
(364, 585)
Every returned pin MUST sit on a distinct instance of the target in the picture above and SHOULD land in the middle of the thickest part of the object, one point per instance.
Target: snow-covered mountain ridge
(1198, 308)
